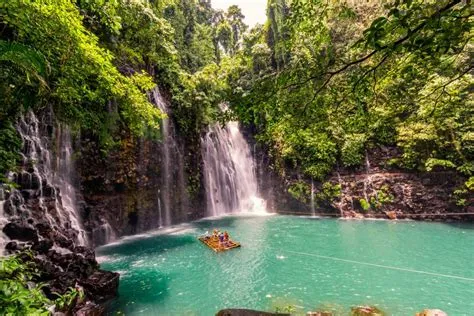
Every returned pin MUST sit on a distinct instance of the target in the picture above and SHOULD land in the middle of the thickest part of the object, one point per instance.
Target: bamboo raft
(213, 243)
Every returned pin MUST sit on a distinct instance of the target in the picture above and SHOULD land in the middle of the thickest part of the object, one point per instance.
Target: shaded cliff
(140, 184)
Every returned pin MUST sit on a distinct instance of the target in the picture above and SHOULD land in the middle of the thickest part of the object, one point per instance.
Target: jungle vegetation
(322, 81)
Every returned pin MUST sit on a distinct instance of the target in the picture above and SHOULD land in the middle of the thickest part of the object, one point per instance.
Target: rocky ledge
(39, 216)
(53, 249)
(61, 269)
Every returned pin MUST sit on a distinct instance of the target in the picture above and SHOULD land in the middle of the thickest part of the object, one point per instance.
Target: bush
(300, 190)
(364, 204)
(329, 192)
(18, 294)
(352, 151)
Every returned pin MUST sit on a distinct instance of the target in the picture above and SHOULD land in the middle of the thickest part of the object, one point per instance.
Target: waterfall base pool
(309, 263)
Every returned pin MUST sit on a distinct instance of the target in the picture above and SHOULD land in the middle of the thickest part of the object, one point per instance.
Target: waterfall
(103, 234)
(3, 221)
(39, 174)
(313, 208)
(163, 193)
(63, 176)
(172, 193)
(368, 178)
(229, 172)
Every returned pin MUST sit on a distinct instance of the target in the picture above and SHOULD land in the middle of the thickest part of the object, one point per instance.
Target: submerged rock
(319, 314)
(366, 311)
(391, 214)
(246, 312)
(431, 312)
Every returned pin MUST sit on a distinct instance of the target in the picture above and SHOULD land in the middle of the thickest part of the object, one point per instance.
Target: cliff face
(378, 189)
(124, 190)
(373, 190)
(140, 184)
(39, 213)
(69, 196)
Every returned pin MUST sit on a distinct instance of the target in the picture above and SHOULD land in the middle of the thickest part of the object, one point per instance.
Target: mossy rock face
(366, 311)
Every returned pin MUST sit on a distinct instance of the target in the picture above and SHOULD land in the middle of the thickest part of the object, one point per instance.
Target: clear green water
(297, 261)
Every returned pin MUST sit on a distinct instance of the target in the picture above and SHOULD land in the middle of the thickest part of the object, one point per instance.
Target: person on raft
(221, 239)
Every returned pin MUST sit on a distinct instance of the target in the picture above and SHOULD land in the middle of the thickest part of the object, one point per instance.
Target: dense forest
(322, 81)
(321, 85)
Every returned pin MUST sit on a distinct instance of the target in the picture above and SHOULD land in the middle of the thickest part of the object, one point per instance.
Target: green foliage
(10, 146)
(364, 204)
(194, 33)
(18, 295)
(462, 194)
(352, 151)
(377, 200)
(432, 163)
(470, 184)
(346, 76)
(329, 192)
(28, 60)
(67, 301)
(82, 75)
(300, 190)
(285, 309)
(381, 197)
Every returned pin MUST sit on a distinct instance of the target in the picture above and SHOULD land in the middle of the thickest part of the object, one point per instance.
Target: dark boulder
(60, 284)
(20, 231)
(48, 269)
(63, 241)
(44, 229)
(101, 285)
(90, 309)
(43, 246)
(14, 246)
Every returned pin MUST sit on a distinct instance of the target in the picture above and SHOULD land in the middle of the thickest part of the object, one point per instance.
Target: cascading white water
(229, 172)
(41, 172)
(3, 221)
(164, 193)
(313, 208)
(62, 179)
(368, 178)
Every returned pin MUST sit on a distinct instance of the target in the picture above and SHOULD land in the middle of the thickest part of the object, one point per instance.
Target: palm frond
(29, 60)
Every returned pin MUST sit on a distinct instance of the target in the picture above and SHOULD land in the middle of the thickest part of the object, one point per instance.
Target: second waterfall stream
(229, 172)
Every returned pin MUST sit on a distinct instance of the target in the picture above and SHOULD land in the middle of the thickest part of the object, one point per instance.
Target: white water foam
(229, 172)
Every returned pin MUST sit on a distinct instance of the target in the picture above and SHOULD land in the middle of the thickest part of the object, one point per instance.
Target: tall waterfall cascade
(49, 177)
(229, 172)
(172, 192)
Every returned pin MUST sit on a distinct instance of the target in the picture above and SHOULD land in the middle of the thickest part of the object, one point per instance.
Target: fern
(29, 60)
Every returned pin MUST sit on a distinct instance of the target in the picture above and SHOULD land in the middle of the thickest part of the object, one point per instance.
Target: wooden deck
(213, 243)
